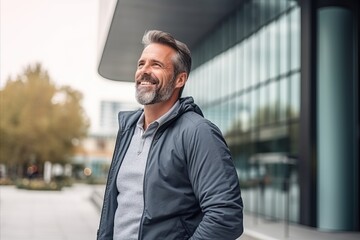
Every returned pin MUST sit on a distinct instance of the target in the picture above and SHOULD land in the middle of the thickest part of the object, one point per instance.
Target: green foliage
(39, 121)
(95, 180)
(38, 185)
(6, 181)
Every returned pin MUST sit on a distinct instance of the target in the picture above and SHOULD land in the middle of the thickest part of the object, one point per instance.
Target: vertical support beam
(307, 138)
(336, 120)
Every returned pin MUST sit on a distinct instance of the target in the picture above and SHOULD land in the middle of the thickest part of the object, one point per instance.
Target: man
(172, 176)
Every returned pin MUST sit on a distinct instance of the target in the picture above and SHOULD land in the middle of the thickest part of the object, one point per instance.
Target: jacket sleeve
(215, 184)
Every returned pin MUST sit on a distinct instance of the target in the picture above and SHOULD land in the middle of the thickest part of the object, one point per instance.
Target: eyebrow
(152, 60)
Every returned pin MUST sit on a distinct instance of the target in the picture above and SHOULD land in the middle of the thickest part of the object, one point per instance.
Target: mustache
(148, 78)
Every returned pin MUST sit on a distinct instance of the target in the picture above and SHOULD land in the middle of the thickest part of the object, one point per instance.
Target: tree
(39, 121)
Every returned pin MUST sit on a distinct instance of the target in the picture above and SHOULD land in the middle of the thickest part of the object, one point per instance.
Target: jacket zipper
(144, 182)
(156, 136)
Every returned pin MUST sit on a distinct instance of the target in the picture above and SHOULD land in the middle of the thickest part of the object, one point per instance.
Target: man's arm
(215, 183)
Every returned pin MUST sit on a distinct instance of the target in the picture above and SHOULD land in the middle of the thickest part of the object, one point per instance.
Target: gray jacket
(191, 190)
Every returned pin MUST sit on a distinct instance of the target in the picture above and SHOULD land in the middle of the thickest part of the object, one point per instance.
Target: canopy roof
(187, 20)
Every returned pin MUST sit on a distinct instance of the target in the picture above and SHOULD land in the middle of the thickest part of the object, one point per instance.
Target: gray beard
(158, 95)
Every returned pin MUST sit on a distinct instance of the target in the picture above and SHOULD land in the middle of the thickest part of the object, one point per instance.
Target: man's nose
(145, 69)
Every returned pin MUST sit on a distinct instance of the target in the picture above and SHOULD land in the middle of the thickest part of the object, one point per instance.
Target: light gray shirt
(130, 179)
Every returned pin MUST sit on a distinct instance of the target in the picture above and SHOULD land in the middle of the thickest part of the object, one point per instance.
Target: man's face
(154, 78)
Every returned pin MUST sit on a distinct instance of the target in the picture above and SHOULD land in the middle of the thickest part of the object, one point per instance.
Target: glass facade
(246, 79)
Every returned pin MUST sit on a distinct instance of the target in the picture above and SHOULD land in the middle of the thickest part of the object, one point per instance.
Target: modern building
(109, 110)
(281, 80)
(93, 154)
(95, 151)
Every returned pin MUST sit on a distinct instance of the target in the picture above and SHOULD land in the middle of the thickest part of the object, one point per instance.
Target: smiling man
(171, 176)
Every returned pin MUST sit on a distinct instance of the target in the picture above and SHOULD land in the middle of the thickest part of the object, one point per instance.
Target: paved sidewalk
(259, 229)
(276, 230)
(73, 214)
(48, 215)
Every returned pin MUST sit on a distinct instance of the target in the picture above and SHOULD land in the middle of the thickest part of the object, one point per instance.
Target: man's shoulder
(127, 118)
(192, 120)
(191, 117)
(128, 114)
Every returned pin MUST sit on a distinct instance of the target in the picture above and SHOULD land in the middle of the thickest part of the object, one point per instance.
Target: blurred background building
(280, 79)
(95, 151)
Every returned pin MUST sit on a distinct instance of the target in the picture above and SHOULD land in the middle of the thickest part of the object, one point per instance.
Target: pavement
(48, 215)
(73, 214)
(261, 229)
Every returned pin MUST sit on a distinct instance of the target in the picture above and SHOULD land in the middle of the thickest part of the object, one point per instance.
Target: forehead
(157, 51)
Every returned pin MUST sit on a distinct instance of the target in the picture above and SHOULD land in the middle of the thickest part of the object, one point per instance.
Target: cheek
(167, 77)
(137, 74)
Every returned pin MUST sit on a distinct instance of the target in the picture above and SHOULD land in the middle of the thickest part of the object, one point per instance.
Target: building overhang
(187, 20)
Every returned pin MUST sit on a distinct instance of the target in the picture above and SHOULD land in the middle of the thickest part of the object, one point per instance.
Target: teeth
(146, 83)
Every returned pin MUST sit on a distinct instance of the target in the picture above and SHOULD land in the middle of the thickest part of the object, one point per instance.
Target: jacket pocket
(185, 227)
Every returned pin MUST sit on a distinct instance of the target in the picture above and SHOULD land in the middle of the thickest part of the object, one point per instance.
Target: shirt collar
(161, 120)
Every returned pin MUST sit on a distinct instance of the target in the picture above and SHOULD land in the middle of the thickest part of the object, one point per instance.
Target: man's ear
(181, 79)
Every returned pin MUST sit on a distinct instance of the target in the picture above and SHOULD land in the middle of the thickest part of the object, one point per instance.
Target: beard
(145, 96)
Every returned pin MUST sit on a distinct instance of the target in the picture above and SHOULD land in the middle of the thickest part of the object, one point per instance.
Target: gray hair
(182, 63)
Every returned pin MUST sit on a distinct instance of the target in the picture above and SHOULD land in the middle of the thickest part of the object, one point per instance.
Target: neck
(156, 110)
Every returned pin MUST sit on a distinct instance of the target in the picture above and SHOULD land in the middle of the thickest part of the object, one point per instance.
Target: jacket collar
(128, 119)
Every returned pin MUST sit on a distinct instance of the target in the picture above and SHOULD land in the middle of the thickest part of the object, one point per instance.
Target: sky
(62, 35)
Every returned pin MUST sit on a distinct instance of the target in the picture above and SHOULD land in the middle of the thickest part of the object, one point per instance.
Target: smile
(144, 83)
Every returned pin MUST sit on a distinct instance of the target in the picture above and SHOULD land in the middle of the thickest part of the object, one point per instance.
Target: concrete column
(337, 169)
